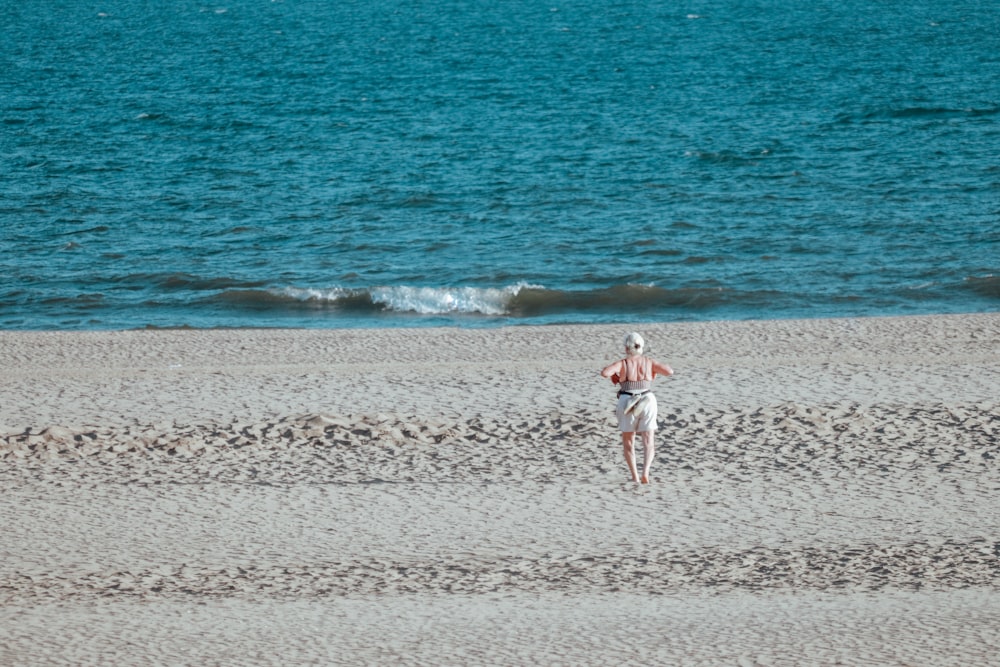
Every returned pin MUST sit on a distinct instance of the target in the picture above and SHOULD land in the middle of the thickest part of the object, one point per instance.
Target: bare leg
(629, 448)
(647, 462)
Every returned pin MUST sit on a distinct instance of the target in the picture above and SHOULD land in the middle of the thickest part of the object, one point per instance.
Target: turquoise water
(341, 164)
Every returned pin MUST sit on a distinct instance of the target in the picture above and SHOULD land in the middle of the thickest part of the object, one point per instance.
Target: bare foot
(645, 479)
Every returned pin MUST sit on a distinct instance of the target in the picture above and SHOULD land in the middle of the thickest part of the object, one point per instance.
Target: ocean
(374, 163)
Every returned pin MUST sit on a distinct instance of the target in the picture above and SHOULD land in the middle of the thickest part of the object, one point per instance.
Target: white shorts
(642, 418)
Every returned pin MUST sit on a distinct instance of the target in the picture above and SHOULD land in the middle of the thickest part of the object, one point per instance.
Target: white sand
(825, 492)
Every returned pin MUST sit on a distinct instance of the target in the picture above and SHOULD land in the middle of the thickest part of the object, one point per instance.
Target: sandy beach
(825, 492)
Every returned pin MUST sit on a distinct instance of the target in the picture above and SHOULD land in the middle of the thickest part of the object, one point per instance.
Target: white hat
(634, 344)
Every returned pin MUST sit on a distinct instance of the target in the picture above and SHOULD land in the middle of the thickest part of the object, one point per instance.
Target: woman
(636, 409)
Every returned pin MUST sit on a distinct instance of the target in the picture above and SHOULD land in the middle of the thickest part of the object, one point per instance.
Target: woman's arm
(612, 371)
(661, 369)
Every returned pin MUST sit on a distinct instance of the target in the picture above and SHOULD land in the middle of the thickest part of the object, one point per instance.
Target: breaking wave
(515, 301)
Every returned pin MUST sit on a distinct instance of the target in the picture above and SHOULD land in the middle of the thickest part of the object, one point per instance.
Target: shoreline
(458, 495)
(197, 375)
(491, 322)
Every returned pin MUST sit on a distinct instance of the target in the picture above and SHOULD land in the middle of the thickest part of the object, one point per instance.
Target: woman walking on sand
(636, 410)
